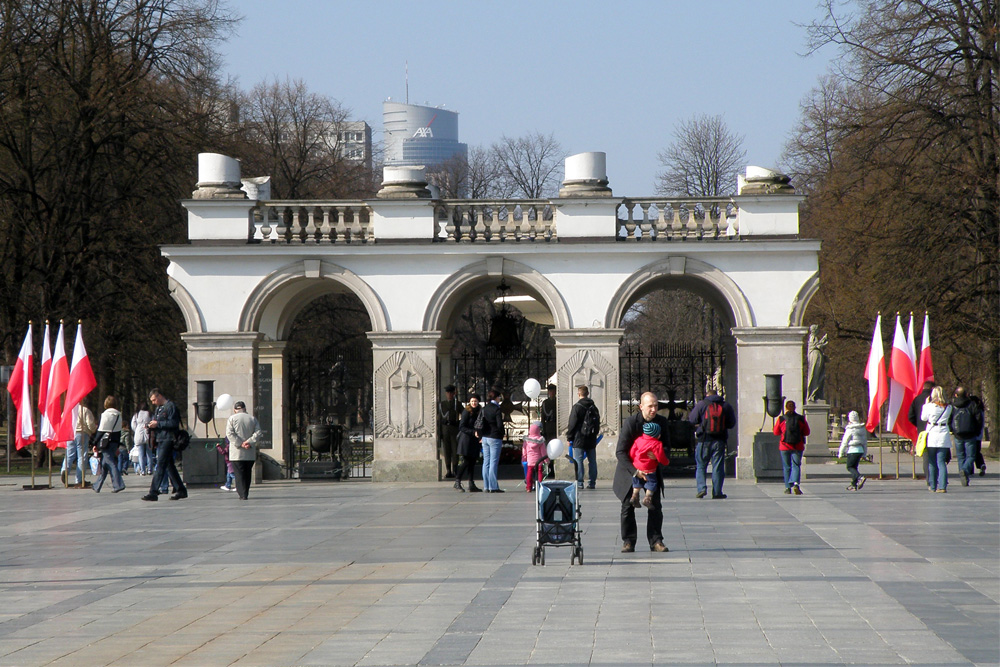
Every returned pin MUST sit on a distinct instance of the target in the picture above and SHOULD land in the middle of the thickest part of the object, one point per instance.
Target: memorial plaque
(262, 406)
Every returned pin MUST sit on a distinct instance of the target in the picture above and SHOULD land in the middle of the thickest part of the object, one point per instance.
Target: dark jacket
(468, 444)
(494, 422)
(700, 414)
(632, 429)
(548, 418)
(916, 406)
(576, 414)
(168, 420)
(975, 413)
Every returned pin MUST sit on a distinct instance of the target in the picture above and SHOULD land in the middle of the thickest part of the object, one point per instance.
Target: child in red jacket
(646, 453)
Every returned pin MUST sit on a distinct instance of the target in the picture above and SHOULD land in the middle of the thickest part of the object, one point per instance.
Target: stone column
(228, 358)
(761, 350)
(817, 414)
(405, 395)
(590, 357)
(272, 391)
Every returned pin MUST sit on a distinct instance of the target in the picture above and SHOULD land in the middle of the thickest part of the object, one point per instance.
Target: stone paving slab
(355, 573)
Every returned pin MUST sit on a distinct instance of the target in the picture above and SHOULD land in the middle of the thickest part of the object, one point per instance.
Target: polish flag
(19, 387)
(925, 371)
(902, 381)
(45, 430)
(878, 390)
(58, 381)
(81, 383)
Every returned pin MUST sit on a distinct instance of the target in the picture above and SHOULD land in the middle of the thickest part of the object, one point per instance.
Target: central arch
(455, 293)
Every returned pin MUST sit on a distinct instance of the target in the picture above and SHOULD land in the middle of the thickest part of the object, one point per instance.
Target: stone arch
(193, 317)
(453, 292)
(681, 271)
(802, 299)
(273, 305)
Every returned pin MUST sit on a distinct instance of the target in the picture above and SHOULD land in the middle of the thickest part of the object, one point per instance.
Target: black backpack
(591, 424)
(965, 421)
(181, 440)
(793, 429)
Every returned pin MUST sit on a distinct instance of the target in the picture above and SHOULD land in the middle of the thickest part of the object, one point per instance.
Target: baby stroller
(558, 519)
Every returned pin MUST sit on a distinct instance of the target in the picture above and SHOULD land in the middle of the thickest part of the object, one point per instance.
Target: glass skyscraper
(419, 135)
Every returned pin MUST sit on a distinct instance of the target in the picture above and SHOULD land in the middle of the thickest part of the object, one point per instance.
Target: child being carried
(646, 453)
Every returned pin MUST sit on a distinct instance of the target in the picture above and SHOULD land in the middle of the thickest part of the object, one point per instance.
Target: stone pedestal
(767, 458)
(590, 357)
(230, 360)
(818, 440)
(203, 464)
(763, 350)
(405, 400)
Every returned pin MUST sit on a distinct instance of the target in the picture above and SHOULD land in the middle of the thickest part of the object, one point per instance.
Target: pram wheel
(541, 559)
(579, 555)
(534, 555)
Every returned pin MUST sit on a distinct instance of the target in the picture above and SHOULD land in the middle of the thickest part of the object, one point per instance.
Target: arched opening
(496, 334)
(678, 343)
(328, 362)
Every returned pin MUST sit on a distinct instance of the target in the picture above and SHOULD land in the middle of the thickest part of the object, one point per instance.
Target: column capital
(747, 336)
(234, 340)
(587, 337)
(409, 340)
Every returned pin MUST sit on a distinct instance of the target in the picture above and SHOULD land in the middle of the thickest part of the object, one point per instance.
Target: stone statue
(816, 384)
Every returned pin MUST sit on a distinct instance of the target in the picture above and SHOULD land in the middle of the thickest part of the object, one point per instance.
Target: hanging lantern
(504, 327)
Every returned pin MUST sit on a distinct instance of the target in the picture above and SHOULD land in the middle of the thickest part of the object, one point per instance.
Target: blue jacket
(700, 413)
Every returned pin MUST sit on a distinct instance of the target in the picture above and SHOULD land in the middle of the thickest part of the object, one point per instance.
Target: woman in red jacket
(792, 428)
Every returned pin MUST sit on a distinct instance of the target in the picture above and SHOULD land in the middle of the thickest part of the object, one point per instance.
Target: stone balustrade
(330, 222)
(678, 219)
(484, 221)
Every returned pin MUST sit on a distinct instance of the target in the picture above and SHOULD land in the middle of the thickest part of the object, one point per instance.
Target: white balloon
(224, 402)
(532, 388)
(555, 448)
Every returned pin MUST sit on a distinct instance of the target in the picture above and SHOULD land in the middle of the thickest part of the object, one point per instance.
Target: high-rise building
(354, 141)
(419, 135)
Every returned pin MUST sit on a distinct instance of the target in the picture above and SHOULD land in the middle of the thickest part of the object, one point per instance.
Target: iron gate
(678, 374)
(331, 391)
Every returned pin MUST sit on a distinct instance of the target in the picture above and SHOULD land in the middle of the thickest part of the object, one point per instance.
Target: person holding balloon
(534, 454)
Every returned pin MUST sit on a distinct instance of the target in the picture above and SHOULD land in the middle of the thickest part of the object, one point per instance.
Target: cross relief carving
(402, 404)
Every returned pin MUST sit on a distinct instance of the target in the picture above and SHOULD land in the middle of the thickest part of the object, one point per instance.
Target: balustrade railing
(677, 219)
(313, 222)
(479, 221)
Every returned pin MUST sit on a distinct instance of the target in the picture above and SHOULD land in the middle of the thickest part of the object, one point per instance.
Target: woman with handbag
(937, 412)
(468, 444)
(106, 442)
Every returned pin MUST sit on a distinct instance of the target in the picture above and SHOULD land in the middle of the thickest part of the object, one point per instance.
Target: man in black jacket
(164, 424)
(583, 444)
(632, 429)
(966, 424)
(492, 434)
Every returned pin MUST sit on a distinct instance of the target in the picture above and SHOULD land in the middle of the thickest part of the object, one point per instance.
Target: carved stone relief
(590, 367)
(405, 385)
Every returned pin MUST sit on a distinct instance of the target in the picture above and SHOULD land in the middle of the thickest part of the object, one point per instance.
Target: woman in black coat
(468, 444)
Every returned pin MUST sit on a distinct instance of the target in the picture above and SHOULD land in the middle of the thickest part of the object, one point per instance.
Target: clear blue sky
(600, 76)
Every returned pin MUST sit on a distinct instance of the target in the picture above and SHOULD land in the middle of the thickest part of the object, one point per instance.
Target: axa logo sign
(423, 133)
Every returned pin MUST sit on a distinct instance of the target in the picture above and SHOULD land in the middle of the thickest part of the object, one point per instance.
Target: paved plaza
(355, 573)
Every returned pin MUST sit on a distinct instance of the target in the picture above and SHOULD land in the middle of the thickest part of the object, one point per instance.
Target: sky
(598, 76)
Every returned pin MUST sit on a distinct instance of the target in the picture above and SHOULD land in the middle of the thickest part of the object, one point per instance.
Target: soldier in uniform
(449, 413)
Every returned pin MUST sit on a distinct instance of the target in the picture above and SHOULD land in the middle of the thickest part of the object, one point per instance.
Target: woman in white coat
(936, 412)
(855, 445)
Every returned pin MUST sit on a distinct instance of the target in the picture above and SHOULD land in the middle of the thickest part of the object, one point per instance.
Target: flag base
(35, 487)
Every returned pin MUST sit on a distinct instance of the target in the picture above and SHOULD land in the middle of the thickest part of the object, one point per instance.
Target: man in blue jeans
(966, 423)
(492, 435)
(583, 430)
(712, 418)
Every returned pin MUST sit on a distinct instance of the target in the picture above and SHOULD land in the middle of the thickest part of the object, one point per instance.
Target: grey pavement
(355, 573)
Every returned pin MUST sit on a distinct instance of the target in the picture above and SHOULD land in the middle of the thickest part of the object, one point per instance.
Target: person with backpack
(966, 425)
(489, 426)
(792, 428)
(582, 430)
(712, 418)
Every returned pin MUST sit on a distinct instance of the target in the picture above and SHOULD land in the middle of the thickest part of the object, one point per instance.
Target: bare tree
(703, 160)
(475, 176)
(527, 166)
(294, 136)
(902, 149)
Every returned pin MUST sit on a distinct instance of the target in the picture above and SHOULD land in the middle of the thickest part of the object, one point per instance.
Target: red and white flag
(878, 389)
(19, 387)
(925, 371)
(58, 381)
(81, 383)
(901, 387)
(45, 430)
